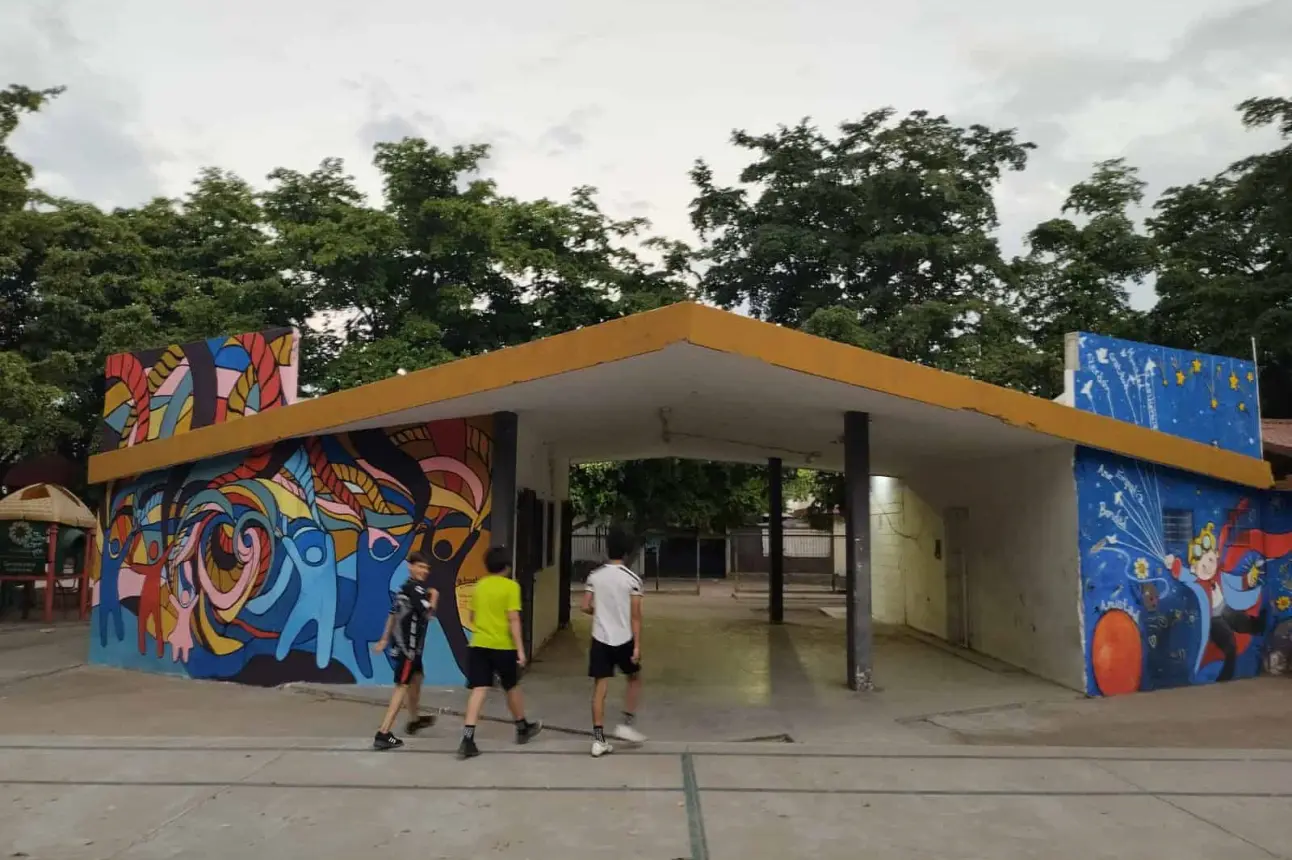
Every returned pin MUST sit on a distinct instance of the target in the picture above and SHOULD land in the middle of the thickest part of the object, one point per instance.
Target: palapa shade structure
(46, 503)
(57, 507)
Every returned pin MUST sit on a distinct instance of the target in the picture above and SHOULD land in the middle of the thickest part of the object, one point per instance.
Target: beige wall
(908, 580)
(1020, 556)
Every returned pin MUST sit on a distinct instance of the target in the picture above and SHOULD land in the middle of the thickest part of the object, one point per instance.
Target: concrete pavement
(283, 798)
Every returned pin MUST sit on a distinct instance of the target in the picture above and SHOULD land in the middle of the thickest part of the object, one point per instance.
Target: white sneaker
(629, 734)
(600, 748)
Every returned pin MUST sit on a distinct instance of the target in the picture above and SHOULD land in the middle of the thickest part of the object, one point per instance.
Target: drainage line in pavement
(694, 817)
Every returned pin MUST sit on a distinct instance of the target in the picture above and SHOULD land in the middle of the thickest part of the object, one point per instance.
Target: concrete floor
(98, 763)
(284, 798)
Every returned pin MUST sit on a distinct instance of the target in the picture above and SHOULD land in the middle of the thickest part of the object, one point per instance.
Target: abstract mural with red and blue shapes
(158, 393)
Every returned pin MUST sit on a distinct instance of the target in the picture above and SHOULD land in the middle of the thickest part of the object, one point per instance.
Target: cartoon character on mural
(1224, 571)
(1193, 607)
(279, 564)
(1156, 618)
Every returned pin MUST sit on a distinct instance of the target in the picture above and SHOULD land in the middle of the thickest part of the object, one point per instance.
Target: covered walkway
(992, 467)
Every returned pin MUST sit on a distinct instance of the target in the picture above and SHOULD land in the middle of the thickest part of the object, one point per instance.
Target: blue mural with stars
(1207, 398)
(1182, 577)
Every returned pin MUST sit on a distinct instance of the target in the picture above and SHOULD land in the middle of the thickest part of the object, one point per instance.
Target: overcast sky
(624, 96)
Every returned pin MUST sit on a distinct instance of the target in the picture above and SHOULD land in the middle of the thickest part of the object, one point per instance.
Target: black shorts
(483, 664)
(603, 659)
(408, 668)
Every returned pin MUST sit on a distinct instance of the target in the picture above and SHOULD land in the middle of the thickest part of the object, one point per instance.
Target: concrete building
(1124, 538)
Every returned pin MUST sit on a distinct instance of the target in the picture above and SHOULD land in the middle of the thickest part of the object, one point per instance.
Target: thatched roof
(46, 503)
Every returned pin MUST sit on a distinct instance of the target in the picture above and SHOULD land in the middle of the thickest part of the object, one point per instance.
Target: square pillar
(775, 542)
(567, 563)
(856, 476)
(502, 517)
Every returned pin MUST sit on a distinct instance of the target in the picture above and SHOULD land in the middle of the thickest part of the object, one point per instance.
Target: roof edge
(797, 351)
(614, 340)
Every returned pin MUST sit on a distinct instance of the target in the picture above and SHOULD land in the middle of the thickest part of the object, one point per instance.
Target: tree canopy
(883, 234)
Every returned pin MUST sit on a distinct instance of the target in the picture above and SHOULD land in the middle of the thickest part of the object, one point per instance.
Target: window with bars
(1177, 531)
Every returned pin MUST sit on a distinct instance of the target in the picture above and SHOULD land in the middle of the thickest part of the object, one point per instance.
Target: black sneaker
(527, 734)
(386, 741)
(415, 726)
(468, 749)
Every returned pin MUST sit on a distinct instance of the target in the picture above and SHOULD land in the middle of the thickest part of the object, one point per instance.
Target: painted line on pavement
(789, 753)
(690, 789)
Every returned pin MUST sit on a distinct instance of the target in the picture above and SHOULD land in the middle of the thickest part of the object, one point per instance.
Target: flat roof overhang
(693, 381)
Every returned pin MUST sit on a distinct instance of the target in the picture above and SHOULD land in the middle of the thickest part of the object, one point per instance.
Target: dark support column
(856, 476)
(503, 514)
(567, 561)
(775, 542)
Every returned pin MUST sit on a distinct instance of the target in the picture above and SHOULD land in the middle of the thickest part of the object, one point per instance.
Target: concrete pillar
(503, 478)
(856, 476)
(775, 542)
(567, 563)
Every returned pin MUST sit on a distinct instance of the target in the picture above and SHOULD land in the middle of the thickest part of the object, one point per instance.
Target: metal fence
(810, 556)
(667, 561)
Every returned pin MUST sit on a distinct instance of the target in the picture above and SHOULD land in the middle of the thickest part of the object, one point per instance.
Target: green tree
(1077, 273)
(881, 235)
(1226, 267)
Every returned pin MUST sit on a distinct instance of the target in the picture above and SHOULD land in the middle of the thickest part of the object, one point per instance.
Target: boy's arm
(434, 596)
(637, 627)
(517, 637)
(587, 606)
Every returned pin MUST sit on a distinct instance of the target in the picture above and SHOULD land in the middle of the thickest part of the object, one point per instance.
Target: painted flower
(1283, 603)
(1141, 568)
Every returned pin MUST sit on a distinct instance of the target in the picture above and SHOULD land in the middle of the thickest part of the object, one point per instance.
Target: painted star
(1242, 407)
(1250, 376)
(1233, 380)
(1179, 377)
(1196, 367)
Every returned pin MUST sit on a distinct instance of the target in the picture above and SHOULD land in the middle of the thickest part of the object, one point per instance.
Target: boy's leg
(508, 673)
(413, 698)
(479, 678)
(626, 731)
(601, 668)
(392, 710)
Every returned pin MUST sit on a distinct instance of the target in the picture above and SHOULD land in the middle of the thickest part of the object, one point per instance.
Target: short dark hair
(619, 542)
(497, 559)
(419, 557)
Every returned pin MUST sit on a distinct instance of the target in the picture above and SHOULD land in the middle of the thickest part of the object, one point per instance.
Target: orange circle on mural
(1117, 654)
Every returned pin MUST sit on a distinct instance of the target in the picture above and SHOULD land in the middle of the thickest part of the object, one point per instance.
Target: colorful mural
(1178, 574)
(1205, 398)
(158, 393)
(279, 564)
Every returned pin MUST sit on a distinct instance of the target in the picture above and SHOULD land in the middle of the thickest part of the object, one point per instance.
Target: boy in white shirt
(613, 597)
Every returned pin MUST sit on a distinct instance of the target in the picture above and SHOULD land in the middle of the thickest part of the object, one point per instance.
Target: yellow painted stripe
(649, 332)
(794, 350)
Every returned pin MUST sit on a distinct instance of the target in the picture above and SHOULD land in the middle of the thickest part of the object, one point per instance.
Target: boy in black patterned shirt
(410, 616)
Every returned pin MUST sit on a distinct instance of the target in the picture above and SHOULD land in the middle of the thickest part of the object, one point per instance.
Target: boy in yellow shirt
(497, 649)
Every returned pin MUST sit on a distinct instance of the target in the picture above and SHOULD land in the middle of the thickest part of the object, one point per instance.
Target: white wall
(1021, 557)
(908, 580)
(537, 470)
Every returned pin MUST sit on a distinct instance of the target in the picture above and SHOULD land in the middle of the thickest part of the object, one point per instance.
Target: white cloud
(623, 96)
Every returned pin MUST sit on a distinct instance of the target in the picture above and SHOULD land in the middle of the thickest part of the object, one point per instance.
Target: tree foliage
(882, 234)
